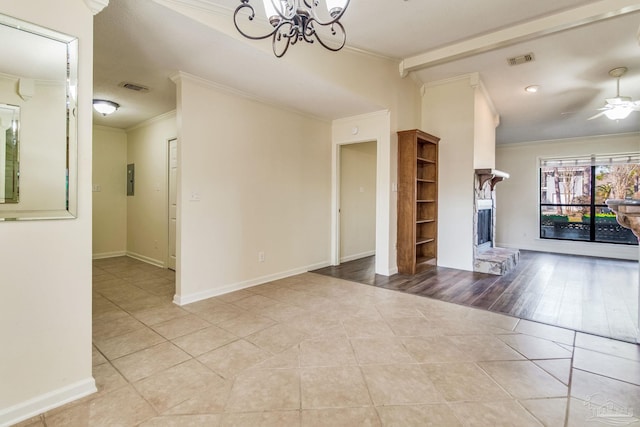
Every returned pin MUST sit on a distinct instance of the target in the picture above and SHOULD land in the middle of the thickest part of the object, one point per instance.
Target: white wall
(262, 177)
(517, 209)
(147, 210)
(110, 192)
(45, 309)
(357, 200)
(448, 112)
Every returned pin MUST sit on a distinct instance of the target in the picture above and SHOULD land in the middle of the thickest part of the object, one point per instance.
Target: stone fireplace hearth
(486, 257)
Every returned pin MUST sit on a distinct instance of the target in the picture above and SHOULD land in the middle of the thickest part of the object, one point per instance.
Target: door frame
(339, 194)
(169, 141)
(365, 128)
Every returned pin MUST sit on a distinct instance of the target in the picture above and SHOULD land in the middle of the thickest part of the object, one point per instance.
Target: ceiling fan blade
(596, 116)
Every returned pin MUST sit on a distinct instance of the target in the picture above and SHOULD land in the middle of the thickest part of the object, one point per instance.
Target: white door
(173, 186)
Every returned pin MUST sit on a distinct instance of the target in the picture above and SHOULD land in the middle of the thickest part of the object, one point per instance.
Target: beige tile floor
(312, 350)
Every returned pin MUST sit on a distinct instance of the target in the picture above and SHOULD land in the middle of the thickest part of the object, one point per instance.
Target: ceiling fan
(620, 107)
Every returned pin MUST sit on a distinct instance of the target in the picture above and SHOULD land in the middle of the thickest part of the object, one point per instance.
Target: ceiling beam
(593, 12)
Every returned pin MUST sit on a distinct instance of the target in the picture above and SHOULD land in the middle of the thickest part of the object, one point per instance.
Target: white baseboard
(357, 256)
(210, 293)
(146, 259)
(600, 250)
(45, 402)
(104, 255)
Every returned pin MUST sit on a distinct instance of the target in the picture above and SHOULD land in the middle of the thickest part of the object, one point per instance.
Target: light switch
(195, 196)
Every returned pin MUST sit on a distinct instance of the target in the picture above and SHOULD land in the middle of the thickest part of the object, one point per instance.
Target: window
(573, 193)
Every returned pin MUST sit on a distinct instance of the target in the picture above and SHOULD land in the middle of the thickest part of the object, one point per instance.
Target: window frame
(593, 206)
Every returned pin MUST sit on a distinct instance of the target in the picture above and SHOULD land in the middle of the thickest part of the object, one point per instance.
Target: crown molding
(181, 75)
(96, 6)
(574, 140)
(152, 120)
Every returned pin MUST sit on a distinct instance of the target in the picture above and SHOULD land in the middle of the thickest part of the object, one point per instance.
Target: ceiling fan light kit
(296, 20)
(620, 107)
(618, 113)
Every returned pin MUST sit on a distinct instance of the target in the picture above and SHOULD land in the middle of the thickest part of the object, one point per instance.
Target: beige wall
(448, 112)
(357, 200)
(262, 176)
(109, 192)
(484, 134)
(376, 80)
(517, 206)
(147, 209)
(46, 265)
(375, 85)
(132, 225)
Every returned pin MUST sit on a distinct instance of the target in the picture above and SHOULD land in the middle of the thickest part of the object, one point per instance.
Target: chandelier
(297, 20)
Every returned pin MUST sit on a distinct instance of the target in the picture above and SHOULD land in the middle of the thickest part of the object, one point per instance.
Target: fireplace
(485, 232)
(484, 224)
(487, 257)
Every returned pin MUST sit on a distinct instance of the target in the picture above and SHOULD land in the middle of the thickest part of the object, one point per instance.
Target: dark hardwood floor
(593, 295)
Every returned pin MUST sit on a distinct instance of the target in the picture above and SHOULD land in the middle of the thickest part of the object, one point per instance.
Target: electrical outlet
(260, 256)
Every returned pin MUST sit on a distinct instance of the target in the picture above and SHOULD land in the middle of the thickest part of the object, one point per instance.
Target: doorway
(173, 202)
(357, 201)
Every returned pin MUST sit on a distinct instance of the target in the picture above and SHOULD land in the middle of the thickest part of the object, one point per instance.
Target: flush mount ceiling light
(532, 88)
(105, 107)
(296, 20)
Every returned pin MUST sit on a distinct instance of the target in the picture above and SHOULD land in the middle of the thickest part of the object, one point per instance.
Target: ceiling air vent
(517, 60)
(134, 87)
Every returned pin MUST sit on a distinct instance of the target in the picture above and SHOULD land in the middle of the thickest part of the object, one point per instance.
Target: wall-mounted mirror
(38, 127)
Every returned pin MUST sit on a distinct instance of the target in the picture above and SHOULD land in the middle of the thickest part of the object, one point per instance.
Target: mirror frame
(15, 109)
(71, 189)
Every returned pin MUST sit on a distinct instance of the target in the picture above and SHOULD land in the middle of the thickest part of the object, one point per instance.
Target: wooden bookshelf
(417, 201)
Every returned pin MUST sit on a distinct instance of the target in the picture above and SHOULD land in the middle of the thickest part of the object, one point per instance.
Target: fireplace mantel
(493, 176)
